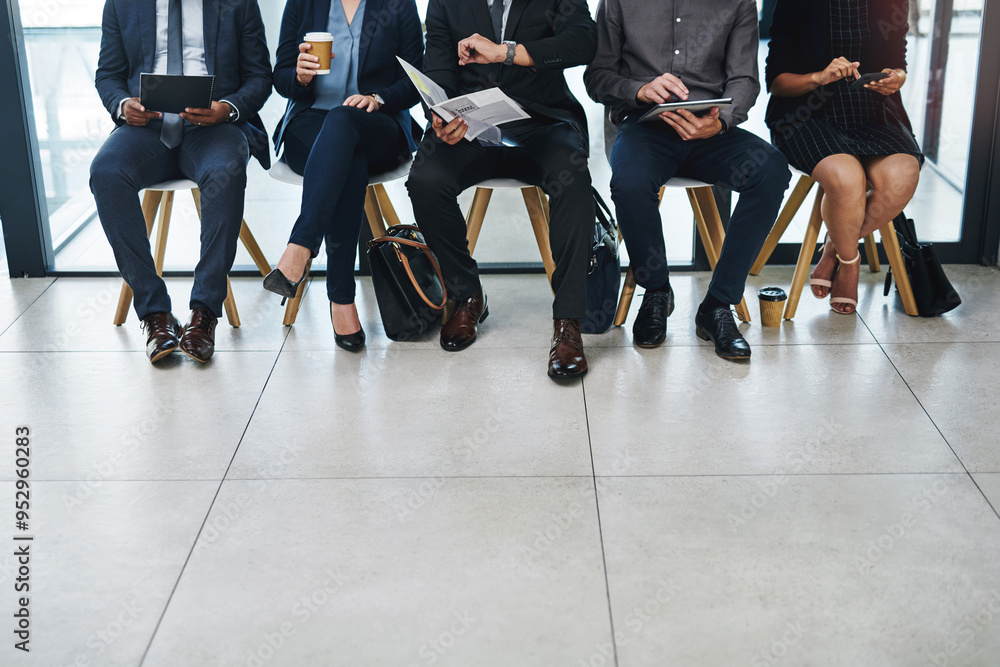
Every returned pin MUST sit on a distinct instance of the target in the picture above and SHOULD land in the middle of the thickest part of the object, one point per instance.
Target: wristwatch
(725, 127)
(511, 50)
(233, 113)
(377, 98)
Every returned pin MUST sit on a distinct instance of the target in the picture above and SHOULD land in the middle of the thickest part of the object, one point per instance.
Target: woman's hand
(889, 85)
(452, 133)
(306, 65)
(367, 102)
(839, 68)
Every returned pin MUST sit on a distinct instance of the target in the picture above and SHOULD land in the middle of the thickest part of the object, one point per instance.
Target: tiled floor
(831, 503)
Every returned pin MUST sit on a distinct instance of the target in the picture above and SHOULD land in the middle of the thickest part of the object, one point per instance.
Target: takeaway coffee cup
(322, 47)
(772, 304)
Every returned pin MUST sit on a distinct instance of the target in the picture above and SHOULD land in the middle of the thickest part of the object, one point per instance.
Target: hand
(690, 127)
(662, 89)
(219, 113)
(367, 102)
(889, 85)
(481, 51)
(452, 133)
(135, 114)
(306, 65)
(839, 68)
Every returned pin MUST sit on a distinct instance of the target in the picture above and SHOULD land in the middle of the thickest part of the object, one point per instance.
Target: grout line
(33, 302)
(208, 513)
(600, 527)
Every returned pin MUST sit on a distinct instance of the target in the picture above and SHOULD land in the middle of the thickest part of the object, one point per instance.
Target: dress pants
(549, 154)
(335, 151)
(134, 158)
(646, 155)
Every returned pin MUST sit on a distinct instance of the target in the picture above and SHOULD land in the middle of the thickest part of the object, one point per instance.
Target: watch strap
(511, 52)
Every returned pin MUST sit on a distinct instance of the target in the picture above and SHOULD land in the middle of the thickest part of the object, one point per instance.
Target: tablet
(694, 106)
(173, 93)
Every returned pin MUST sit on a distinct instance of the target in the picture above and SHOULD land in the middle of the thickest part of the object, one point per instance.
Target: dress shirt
(342, 81)
(506, 12)
(710, 45)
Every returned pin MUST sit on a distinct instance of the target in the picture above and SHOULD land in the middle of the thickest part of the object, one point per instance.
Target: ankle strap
(857, 258)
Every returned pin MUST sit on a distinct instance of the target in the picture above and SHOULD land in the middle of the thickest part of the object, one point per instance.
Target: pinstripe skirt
(809, 142)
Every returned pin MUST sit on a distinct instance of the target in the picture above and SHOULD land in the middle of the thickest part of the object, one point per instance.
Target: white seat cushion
(169, 186)
(280, 171)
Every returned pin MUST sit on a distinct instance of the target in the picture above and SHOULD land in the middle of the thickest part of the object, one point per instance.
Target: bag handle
(406, 265)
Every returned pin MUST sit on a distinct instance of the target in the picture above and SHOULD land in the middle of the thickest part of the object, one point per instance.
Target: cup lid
(772, 294)
(319, 36)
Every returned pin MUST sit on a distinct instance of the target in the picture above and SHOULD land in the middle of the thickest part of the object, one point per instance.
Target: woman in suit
(338, 129)
(855, 141)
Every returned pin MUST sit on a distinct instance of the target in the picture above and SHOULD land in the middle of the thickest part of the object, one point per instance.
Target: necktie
(173, 127)
(496, 14)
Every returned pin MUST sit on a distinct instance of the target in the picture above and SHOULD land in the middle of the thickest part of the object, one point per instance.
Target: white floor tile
(17, 295)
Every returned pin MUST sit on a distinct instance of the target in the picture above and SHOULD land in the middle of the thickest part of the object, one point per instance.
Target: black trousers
(551, 155)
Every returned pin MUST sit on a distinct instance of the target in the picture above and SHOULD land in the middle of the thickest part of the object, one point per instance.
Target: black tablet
(694, 106)
(168, 93)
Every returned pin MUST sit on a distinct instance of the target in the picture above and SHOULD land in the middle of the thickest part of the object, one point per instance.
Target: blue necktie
(173, 126)
(496, 14)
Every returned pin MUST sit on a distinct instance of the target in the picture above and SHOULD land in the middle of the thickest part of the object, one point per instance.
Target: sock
(665, 287)
(711, 303)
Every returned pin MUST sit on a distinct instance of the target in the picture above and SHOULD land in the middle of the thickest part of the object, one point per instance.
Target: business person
(340, 127)
(652, 53)
(210, 146)
(846, 138)
(522, 48)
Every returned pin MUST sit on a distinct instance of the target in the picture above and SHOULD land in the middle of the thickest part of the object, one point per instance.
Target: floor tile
(989, 484)
(113, 415)
(803, 409)
(956, 383)
(973, 321)
(75, 315)
(804, 570)
(17, 295)
(322, 572)
(421, 413)
(104, 560)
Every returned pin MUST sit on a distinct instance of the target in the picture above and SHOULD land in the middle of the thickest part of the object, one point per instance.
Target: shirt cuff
(237, 117)
(120, 113)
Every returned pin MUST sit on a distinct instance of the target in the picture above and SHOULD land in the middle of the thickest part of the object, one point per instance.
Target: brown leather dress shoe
(566, 358)
(163, 333)
(198, 341)
(460, 331)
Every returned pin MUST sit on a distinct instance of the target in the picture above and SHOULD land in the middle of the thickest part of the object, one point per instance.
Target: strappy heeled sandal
(819, 282)
(841, 299)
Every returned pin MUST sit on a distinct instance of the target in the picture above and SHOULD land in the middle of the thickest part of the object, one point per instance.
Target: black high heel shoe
(354, 342)
(276, 282)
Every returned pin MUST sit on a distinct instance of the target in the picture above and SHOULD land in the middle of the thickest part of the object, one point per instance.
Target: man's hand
(306, 65)
(366, 102)
(690, 127)
(889, 85)
(452, 133)
(481, 51)
(664, 88)
(135, 114)
(219, 113)
(839, 68)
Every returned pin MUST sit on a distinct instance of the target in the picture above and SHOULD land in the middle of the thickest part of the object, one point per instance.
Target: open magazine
(483, 110)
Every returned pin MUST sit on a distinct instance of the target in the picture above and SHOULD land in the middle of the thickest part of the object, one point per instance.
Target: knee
(899, 182)
(629, 185)
(429, 184)
(225, 177)
(844, 183)
(339, 124)
(567, 175)
(105, 170)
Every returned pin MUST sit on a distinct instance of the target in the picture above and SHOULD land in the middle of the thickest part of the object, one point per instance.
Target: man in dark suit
(521, 47)
(209, 146)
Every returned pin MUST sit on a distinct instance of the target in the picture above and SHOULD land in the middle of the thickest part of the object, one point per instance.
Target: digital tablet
(168, 93)
(694, 106)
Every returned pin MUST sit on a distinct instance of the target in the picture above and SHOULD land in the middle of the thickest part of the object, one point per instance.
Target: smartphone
(867, 78)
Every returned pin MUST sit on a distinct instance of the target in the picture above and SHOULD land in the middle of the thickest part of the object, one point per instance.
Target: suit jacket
(556, 33)
(799, 33)
(390, 28)
(235, 52)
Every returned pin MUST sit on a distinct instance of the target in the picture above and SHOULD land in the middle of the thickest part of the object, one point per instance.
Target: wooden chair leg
(292, 307)
(536, 213)
(625, 301)
(250, 243)
(150, 202)
(477, 213)
(385, 205)
(871, 251)
(374, 213)
(712, 234)
(229, 304)
(792, 206)
(806, 253)
(892, 252)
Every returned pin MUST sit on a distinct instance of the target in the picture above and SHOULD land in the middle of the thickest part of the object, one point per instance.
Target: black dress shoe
(198, 341)
(718, 326)
(461, 330)
(163, 333)
(276, 282)
(650, 328)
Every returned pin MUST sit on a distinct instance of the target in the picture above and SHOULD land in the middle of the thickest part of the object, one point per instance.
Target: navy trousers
(336, 151)
(647, 155)
(134, 158)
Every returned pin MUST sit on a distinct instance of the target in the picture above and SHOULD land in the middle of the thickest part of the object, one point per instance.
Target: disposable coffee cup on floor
(322, 47)
(772, 305)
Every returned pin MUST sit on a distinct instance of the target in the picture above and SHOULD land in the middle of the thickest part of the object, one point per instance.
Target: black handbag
(605, 273)
(932, 290)
(409, 287)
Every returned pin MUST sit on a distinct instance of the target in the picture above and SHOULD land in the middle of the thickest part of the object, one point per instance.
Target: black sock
(711, 303)
(665, 287)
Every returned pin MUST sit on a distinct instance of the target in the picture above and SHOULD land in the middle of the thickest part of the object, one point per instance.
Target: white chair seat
(678, 182)
(171, 186)
(503, 184)
(280, 171)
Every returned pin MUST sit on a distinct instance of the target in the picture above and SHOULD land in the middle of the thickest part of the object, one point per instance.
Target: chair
(887, 234)
(378, 211)
(161, 196)
(709, 222)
